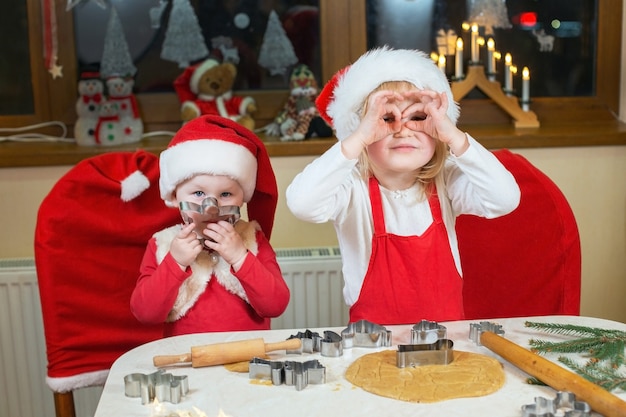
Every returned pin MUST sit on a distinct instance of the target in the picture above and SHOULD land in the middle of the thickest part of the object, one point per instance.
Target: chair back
(91, 233)
(527, 263)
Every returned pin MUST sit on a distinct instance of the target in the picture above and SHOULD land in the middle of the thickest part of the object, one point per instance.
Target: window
(343, 37)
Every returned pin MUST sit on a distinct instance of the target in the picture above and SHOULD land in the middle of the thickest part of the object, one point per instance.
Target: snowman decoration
(108, 130)
(120, 91)
(90, 98)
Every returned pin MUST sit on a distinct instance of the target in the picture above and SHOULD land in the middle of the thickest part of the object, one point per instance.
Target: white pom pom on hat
(342, 98)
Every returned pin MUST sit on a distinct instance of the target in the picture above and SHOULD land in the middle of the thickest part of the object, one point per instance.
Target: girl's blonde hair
(425, 175)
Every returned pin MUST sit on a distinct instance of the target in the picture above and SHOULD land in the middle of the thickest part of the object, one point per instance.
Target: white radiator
(316, 283)
(312, 274)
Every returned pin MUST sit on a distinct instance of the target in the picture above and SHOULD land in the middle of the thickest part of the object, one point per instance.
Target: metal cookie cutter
(268, 370)
(329, 345)
(437, 353)
(484, 326)
(365, 334)
(427, 332)
(429, 346)
(310, 342)
(564, 404)
(160, 385)
(208, 211)
(301, 374)
(295, 373)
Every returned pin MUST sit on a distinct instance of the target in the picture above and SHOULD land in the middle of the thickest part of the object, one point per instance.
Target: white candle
(474, 42)
(458, 63)
(525, 88)
(508, 76)
(491, 58)
(441, 63)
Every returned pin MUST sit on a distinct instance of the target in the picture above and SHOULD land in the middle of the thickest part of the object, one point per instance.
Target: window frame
(567, 121)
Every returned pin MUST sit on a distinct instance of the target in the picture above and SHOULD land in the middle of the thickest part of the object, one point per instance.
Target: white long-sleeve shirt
(331, 189)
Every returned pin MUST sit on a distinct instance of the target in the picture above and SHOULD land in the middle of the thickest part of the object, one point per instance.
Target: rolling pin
(223, 353)
(554, 375)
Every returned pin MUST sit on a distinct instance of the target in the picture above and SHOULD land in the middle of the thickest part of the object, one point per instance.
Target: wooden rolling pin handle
(554, 375)
(289, 344)
(167, 360)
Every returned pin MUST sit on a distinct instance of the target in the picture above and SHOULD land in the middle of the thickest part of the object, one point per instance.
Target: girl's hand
(382, 118)
(429, 114)
(186, 246)
(223, 239)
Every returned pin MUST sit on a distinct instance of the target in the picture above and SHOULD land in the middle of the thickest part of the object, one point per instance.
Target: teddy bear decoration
(206, 88)
(105, 119)
(299, 117)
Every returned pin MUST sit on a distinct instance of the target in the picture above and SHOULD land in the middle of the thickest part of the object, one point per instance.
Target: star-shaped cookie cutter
(207, 212)
(158, 385)
(564, 404)
(364, 333)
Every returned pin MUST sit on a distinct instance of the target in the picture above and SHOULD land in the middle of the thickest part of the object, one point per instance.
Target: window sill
(14, 154)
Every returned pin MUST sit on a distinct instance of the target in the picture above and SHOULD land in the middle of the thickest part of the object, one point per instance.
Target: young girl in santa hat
(182, 282)
(393, 185)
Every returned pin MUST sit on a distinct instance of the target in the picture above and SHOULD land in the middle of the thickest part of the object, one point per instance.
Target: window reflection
(556, 39)
(241, 23)
(16, 91)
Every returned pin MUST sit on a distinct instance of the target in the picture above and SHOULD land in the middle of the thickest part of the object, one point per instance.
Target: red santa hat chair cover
(215, 145)
(91, 234)
(527, 263)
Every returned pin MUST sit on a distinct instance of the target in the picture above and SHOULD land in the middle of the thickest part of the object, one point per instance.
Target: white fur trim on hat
(206, 156)
(376, 67)
(206, 65)
(133, 185)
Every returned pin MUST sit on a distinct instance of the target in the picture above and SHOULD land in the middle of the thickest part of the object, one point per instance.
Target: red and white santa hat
(341, 100)
(218, 146)
(197, 71)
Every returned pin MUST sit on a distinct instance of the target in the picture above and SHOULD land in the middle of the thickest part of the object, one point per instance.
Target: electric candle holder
(462, 83)
(476, 78)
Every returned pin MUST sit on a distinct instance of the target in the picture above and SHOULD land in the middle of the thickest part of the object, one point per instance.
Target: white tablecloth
(215, 389)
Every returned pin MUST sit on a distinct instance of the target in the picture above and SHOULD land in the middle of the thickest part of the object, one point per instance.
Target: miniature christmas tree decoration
(276, 52)
(116, 60)
(183, 42)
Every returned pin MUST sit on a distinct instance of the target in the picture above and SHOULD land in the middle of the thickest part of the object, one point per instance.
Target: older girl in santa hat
(393, 185)
(182, 282)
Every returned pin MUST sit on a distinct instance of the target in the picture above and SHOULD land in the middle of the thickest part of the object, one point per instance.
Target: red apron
(409, 278)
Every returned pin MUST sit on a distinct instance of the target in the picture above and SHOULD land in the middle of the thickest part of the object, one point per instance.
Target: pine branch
(604, 348)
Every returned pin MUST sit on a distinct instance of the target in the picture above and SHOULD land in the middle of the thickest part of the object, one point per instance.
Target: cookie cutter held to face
(207, 212)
